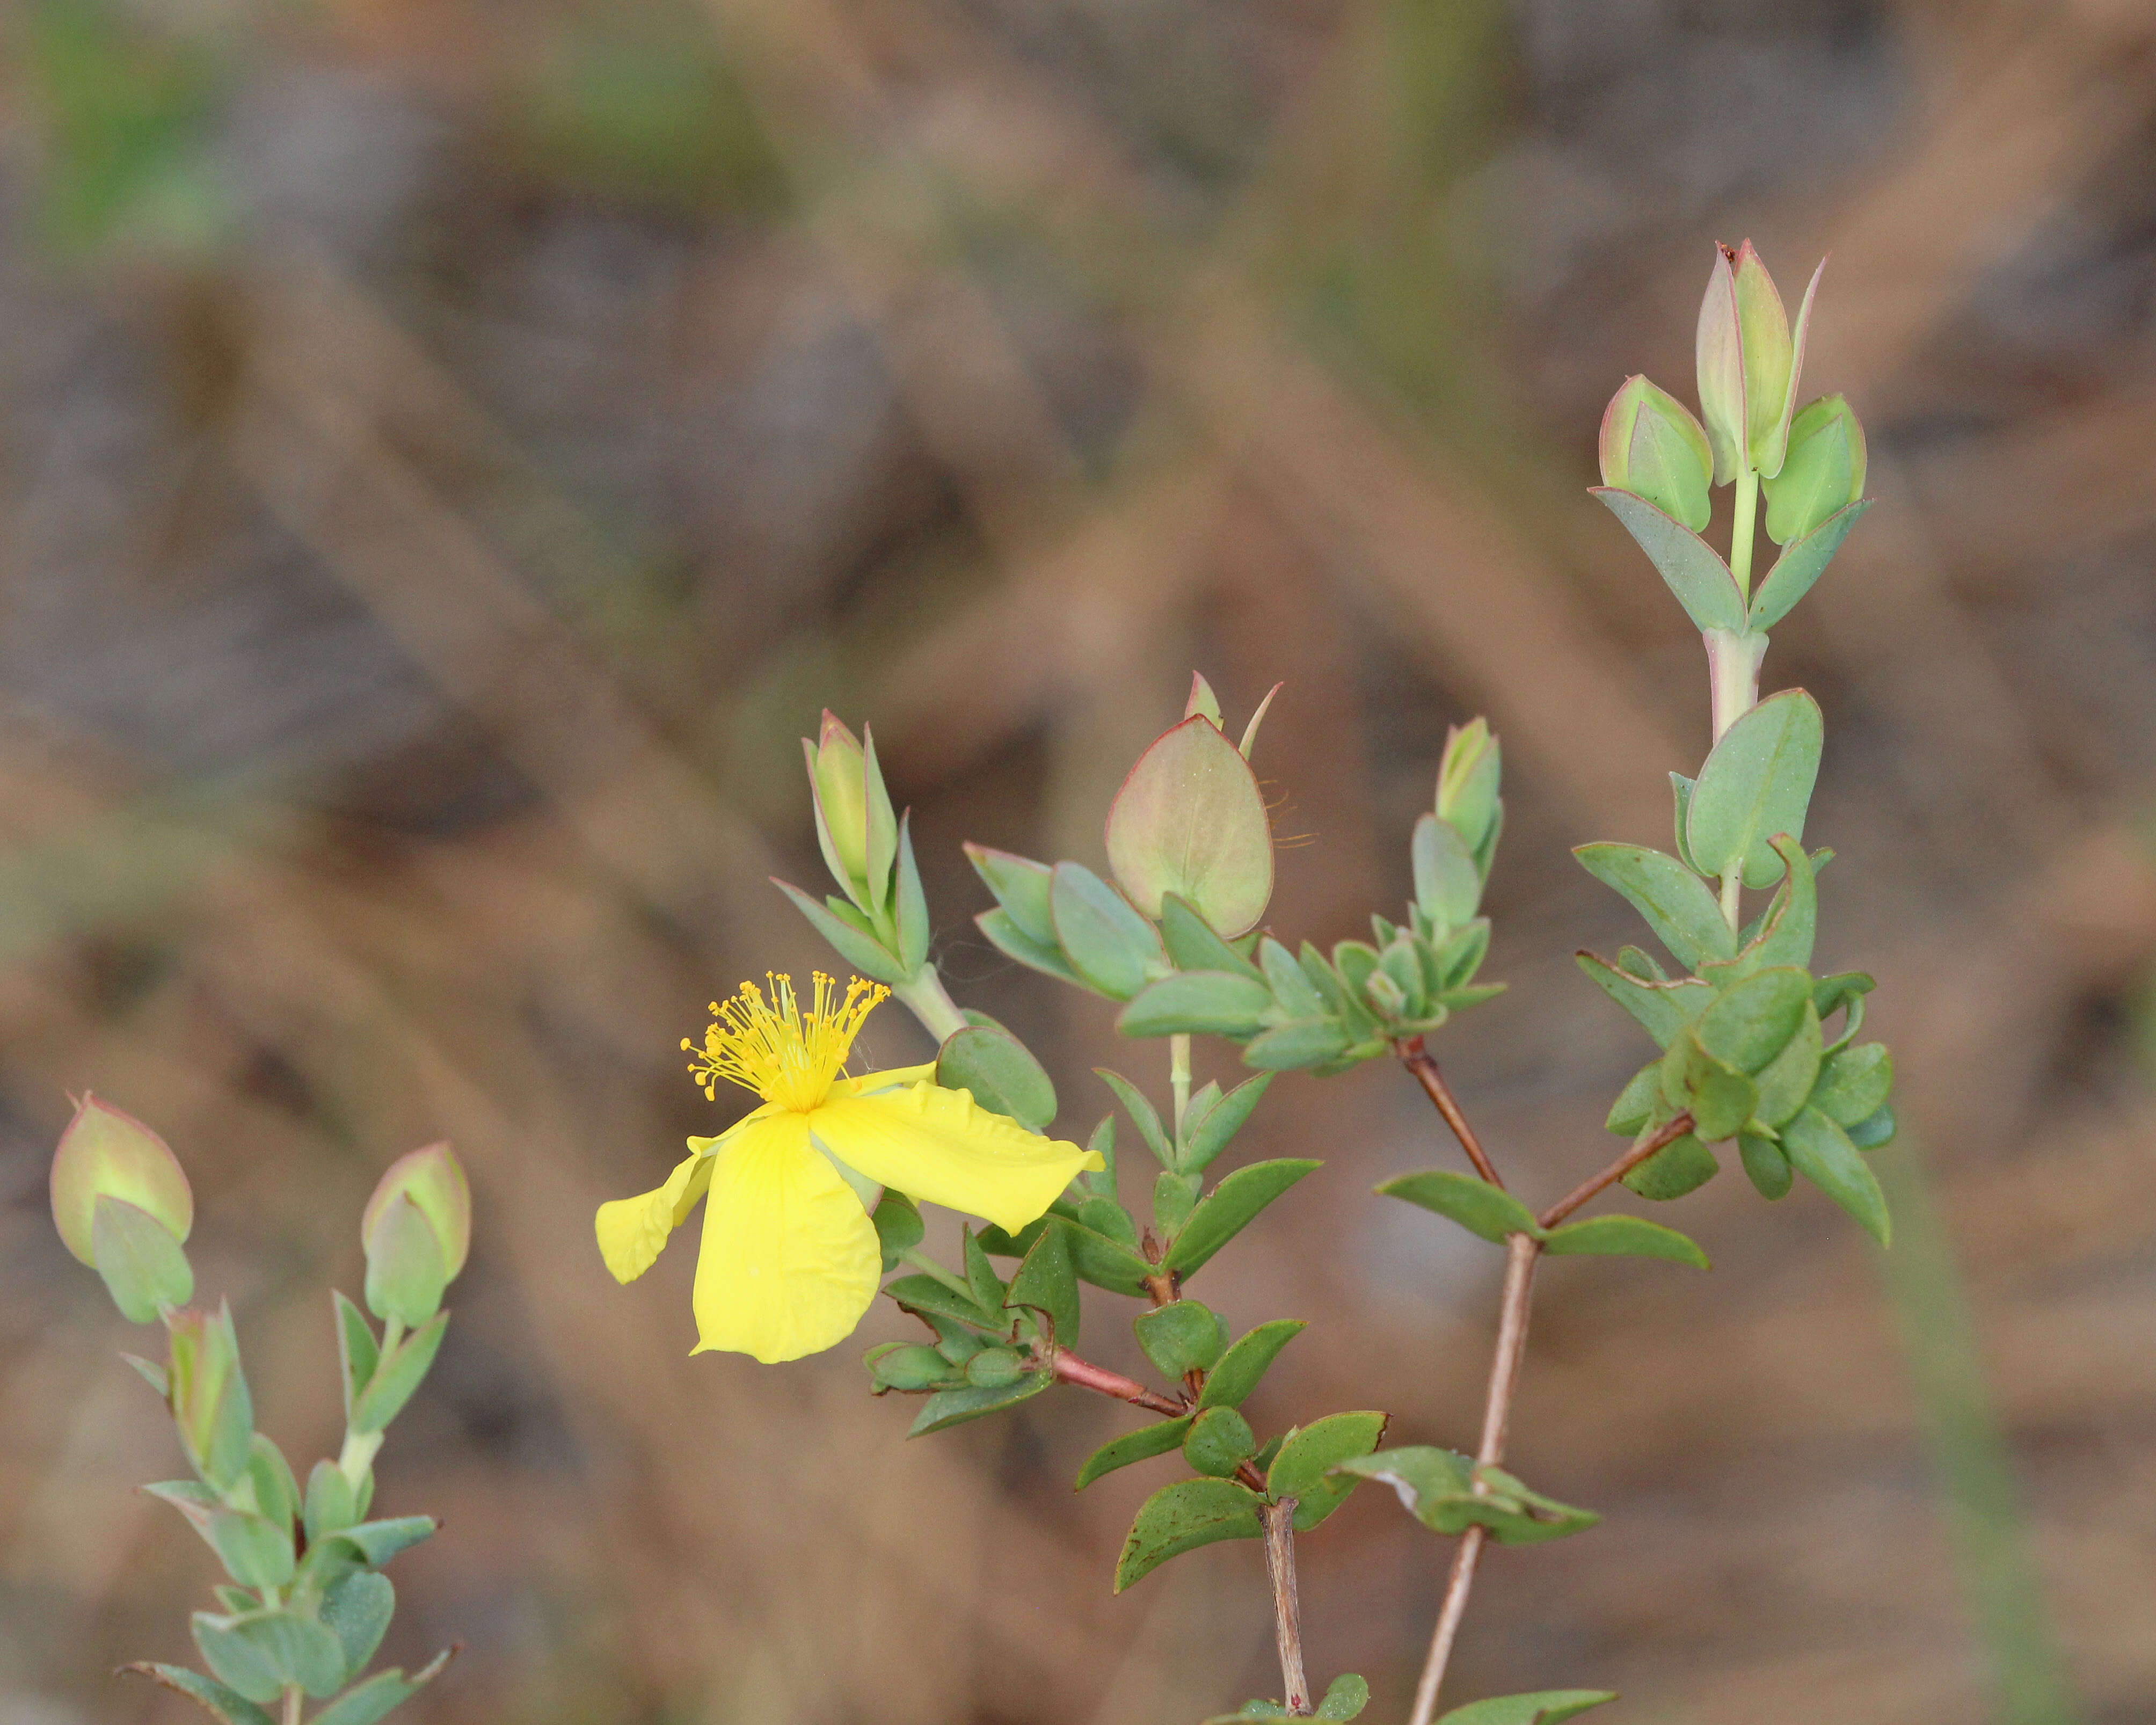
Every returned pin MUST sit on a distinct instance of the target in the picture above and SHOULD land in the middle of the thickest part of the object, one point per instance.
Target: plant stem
(295, 1703)
(1069, 1369)
(1279, 1520)
(1616, 1171)
(1419, 1060)
(1743, 529)
(1515, 1308)
(925, 997)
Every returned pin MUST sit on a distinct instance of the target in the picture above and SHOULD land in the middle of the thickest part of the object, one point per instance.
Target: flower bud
(1652, 447)
(416, 1230)
(1191, 820)
(106, 1154)
(1822, 474)
(836, 775)
(1467, 782)
(211, 1407)
(433, 1179)
(1748, 363)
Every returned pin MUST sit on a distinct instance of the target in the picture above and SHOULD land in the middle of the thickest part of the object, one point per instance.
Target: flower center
(785, 1054)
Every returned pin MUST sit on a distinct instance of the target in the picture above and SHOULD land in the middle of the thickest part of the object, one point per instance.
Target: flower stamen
(773, 1047)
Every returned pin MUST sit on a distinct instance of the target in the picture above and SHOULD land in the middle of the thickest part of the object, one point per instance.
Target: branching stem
(1069, 1369)
(1623, 1165)
(1423, 1064)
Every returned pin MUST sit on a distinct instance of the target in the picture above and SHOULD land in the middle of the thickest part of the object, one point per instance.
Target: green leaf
(1874, 1131)
(357, 1353)
(1751, 1021)
(1191, 820)
(1104, 1262)
(1721, 1098)
(910, 909)
(1219, 1440)
(368, 1545)
(1246, 1362)
(1112, 948)
(1692, 569)
(1001, 1073)
(898, 1226)
(927, 1296)
(357, 1610)
(1844, 992)
(1636, 1104)
(1453, 964)
(1438, 1488)
(1680, 790)
(1545, 1706)
(1292, 989)
(1046, 1283)
(1101, 1182)
(144, 1266)
(1105, 1216)
(988, 1287)
(1679, 906)
(1758, 782)
(1143, 1115)
(1787, 1080)
(1820, 1151)
(1180, 1337)
(866, 953)
(1854, 1084)
(1172, 1196)
(1142, 1444)
(1475, 1205)
(1662, 1009)
(1229, 1207)
(256, 1551)
(1192, 945)
(1765, 1165)
(398, 1376)
(406, 1271)
(276, 1492)
(1681, 1166)
(378, 1694)
(1020, 885)
(1290, 1047)
(215, 1698)
(1422, 1476)
(260, 1652)
(1204, 1138)
(1345, 1697)
(1006, 938)
(1182, 1517)
(1801, 564)
(1206, 1002)
(954, 1407)
(1303, 1468)
(1624, 1236)
(1448, 886)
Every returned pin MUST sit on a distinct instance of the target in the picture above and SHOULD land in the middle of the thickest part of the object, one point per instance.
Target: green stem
(1742, 532)
(924, 996)
(295, 1704)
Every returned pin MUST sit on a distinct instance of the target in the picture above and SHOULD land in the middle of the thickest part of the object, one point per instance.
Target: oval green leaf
(1191, 820)
(1758, 782)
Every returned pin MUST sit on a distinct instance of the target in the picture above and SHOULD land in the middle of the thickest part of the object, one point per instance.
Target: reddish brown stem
(1419, 1060)
(1522, 1253)
(1069, 1369)
(1616, 1171)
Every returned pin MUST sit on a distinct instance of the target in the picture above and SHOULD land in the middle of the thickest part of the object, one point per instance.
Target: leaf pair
(1493, 1214)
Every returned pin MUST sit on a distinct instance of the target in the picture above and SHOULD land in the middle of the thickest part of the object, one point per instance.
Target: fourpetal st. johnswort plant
(797, 1232)
(305, 1603)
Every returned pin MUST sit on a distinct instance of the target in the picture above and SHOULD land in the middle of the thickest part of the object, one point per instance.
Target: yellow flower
(790, 1261)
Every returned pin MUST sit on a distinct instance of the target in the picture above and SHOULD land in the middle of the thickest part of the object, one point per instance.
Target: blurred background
(453, 448)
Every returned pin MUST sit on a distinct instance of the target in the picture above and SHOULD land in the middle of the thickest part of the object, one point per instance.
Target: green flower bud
(837, 776)
(105, 1153)
(433, 1179)
(908, 1367)
(1191, 820)
(1822, 474)
(1467, 782)
(416, 1230)
(1749, 362)
(210, 1403)
(1652, 447)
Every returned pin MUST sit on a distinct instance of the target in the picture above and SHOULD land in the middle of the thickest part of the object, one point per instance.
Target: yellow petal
(633, 1230)
(893, 1078)
(940, 1146)
(790, 1261)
